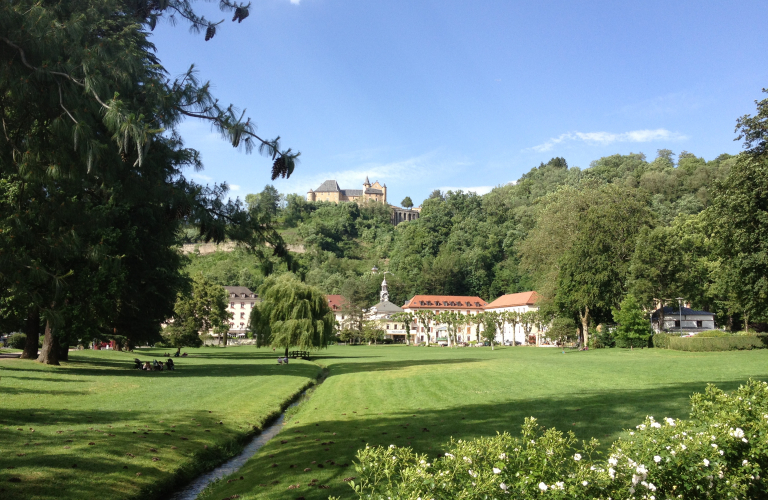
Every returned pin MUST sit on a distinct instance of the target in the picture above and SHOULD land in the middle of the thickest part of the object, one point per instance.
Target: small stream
(193, 489)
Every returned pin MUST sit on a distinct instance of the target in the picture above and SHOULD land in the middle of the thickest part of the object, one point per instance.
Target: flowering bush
(720, 452)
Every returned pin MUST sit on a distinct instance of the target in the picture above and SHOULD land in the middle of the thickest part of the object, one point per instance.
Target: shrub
(707, 344)
(632, 327)
(721, 452)
(661, 340)
(17, 341)
(713, 333)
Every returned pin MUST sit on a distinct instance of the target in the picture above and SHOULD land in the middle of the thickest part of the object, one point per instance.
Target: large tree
(738, 225)
(91, 162)
(293, 314)
(202, 310)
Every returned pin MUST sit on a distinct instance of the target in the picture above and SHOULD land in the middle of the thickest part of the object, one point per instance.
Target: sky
(424, 94)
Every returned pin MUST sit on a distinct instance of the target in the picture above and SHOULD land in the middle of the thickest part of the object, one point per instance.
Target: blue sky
(425, 94)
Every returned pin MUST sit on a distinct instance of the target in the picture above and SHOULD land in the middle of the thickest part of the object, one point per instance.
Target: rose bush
(721, 451)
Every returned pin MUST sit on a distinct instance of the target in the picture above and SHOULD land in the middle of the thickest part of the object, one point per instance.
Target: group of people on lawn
(155, 366)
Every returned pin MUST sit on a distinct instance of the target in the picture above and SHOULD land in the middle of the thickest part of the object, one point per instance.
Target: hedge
(706, 344)
(661, 340)
(17, 341)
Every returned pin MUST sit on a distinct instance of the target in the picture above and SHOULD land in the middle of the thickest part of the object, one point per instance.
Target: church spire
(367, 183)
(384, 295)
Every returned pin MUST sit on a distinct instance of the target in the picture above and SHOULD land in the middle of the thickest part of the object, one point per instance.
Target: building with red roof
(520, 303)
(434, 331)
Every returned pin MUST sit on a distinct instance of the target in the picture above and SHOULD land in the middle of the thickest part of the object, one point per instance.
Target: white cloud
(295, 2)
(234, 187)
(202, 177)
(604, 138)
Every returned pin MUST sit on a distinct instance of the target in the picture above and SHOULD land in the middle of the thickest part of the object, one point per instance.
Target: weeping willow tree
(292, 314)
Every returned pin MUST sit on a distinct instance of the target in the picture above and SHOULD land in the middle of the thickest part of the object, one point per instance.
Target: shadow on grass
(346, 368)
(106, 454)
(314, 446)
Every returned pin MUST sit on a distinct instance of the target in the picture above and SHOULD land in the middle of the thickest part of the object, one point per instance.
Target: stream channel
(193, 489)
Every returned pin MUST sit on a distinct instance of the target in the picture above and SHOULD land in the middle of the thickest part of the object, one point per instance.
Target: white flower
(611, 472)
(657, 459)
(468, 460)
(584, 483)
(706, 463)
(473, 474)
(737, 433)
(670, 421)
(651, 487)
(682, 446)
(449, 455)
(391, 446)
(496, 471)
(503, 456)
(745, 440)
(714, 446)
(504, 486)
(577, 457)
(655, 424)
(559, 485)
(542, 487)
(744, 462)
(613, 461)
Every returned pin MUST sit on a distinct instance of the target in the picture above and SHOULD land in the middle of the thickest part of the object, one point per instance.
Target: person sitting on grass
(169, 364)
(280, 361)
(147, 366)
(184, 355)
(285, 360)
(160, 366)
(137, 364)
(155, 366)
(178, 353)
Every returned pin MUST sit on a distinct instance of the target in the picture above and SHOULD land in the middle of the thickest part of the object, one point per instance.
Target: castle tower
(311, 196)
(384, 188)
(384, 295)
(367, 183)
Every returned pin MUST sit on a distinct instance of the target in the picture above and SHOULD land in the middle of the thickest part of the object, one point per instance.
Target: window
(242, 315)
(251, 305)
(387, 327)
(242, 305)
(699, 324)
(677, 323)
(232, 305)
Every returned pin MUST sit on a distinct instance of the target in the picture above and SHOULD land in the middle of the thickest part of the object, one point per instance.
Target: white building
(382, 313)
(241, 303)
(436, 304)
(517, 302)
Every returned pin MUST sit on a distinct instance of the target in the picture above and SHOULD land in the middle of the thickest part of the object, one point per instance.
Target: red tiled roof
(335, 302)
(444, 301)
(514, 300)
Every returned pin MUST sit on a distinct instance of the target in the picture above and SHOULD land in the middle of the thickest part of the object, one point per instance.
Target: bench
(299, 354)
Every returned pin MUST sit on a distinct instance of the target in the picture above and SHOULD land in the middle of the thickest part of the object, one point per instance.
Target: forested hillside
(467, 244)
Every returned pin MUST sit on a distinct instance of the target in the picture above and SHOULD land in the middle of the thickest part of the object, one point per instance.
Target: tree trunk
(50, 353)
(64, 351)
(286, 351)
(32, 329)
(225, 335)
(746, 322)
(585, 325)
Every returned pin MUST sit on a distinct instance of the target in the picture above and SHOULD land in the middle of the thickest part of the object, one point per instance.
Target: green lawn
(96, 428)
(422, 397)
(372, 395)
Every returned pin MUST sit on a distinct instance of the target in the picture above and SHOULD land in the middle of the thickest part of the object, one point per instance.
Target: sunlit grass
(96, 428)
(421, 397)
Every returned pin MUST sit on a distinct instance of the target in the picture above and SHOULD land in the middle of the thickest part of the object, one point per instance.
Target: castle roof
(328, 186)
(373, 191)
(352, 192)
(366, 181)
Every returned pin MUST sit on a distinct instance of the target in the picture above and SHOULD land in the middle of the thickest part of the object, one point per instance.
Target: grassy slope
(389, 394)
(49, 415)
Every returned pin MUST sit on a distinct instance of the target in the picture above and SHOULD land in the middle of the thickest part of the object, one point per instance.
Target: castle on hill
(330, 191)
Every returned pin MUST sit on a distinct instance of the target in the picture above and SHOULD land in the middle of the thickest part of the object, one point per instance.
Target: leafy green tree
(738, 225)
(490, 322)
(98, 149)
(563, 330)
(293, 314)
(201, 311)
(406, 203)
(513, 318)
(657, 267)
(527, 322)
(424, 318)
(407, 319)
(632, 325)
